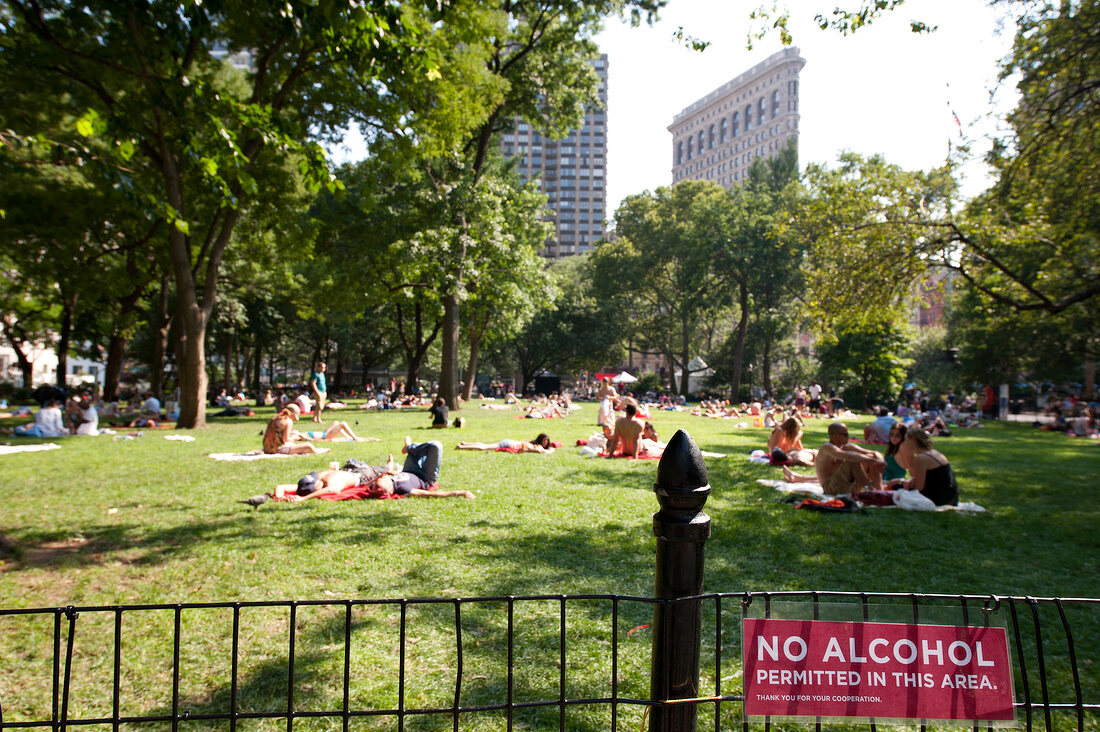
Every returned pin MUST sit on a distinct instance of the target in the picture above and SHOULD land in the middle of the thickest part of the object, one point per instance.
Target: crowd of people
(910, 461)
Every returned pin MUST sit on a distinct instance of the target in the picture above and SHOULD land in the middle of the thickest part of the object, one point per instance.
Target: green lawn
(104, 522)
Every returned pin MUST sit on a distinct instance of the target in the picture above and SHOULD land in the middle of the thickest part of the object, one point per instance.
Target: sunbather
(337, 431)
(281, 438)
(419, 473)
(539, 444)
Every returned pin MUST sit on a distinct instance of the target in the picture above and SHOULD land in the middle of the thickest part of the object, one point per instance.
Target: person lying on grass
(281, 437)
(419, 473)
(539, 444)
(652, 445)
(841, 467)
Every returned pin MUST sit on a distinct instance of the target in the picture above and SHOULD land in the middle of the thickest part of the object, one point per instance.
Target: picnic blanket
(9, 449)
(238, 457)
(362, 492)
(873, 498)
(513, 450)
(641, 456)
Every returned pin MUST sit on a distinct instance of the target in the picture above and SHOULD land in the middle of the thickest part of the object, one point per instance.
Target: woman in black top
(931, 471)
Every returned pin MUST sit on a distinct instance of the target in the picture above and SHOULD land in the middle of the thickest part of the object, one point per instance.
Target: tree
(90, 228)
(577, 332)
(540, 56)
(867, 227)
(868, 357)
(188, 132)
(778, 278)
(664, 271)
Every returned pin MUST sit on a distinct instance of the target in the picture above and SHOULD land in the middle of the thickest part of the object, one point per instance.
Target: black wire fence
(566, 662)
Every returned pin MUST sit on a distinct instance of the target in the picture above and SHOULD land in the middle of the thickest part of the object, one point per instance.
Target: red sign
(816, 668)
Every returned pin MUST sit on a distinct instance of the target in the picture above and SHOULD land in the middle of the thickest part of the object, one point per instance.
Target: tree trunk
(338, 376)
(116, 352)
(448, 389)
(192, 370)
(766, 364)
(739, 348)
(230, 358)
(476, 334)
(26, 368)
(685, 356)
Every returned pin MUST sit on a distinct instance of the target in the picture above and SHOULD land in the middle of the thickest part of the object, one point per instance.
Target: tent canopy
(624, 378)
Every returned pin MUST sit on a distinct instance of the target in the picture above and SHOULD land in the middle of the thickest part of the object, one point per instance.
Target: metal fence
(88, 659)
(566, 662)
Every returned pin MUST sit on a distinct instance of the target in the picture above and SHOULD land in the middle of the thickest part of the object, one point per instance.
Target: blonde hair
(919, 436)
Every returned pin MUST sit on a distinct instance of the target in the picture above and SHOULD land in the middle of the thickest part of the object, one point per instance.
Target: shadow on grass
(245, 530)
(431, 670)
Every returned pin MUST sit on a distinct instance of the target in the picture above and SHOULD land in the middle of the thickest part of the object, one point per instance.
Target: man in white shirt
(47, 423)
(815, 397)
(151, 405)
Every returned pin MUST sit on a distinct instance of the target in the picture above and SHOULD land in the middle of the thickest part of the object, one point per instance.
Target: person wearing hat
(280, 437)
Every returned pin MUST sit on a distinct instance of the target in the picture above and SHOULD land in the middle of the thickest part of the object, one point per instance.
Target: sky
(881, 90)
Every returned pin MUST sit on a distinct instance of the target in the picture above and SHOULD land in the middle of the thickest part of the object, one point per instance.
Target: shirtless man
(627, 434)
(839, 464)
(606, 390)
(281, 438)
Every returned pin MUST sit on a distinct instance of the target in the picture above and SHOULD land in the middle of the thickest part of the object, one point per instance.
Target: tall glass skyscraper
(573, 171)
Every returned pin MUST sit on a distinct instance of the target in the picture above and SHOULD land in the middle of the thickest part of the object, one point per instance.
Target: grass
(104, 522)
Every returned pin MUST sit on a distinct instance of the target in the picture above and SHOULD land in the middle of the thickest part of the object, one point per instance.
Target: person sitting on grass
(840, 467)
(627, 434)
(539, 444)
(419, 473)
(439, 412)
(47, 423)
(878, 431)
(84, 419)
(932, 473)
(280, 437)
(787, 437)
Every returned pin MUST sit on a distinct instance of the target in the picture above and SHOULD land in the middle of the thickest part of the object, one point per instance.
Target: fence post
(681, 529)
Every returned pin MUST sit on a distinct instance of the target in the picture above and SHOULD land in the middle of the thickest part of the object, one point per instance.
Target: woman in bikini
(539, 444)
(788, 438)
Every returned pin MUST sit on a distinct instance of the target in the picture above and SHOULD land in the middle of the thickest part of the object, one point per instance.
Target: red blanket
(554, 445)
(361, 492)
(641, 456)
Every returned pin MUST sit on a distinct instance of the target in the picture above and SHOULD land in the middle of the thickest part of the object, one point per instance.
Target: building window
(680, 152)
(748, 118)
(775, 104)
(722, 131)
(691, 141)
(736, 123)
(763, 110)
(700, 141)
(710, 137)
